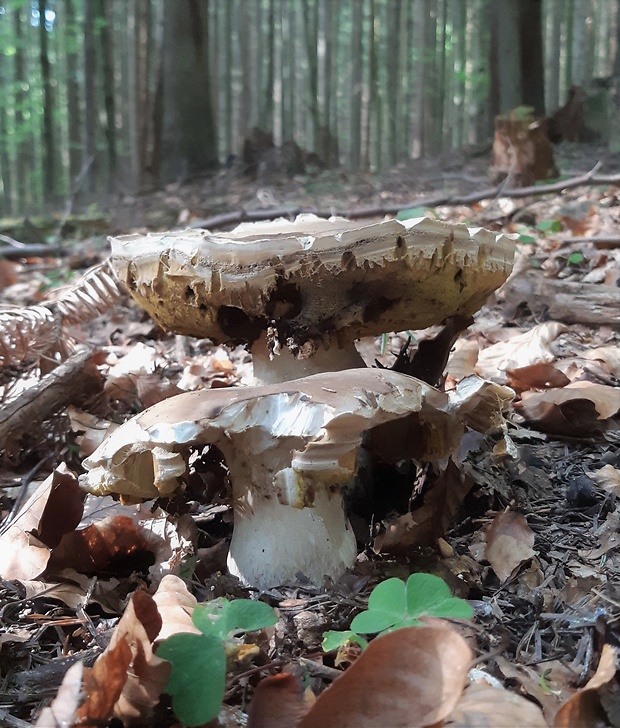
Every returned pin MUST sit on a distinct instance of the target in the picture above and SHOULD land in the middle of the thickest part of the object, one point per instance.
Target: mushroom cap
(312, 280)
(313, 425)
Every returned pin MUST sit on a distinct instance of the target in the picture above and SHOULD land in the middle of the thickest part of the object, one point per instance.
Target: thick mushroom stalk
(290, 449)
(299, 293)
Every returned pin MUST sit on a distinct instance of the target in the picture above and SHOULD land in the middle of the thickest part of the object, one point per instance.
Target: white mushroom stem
(274, 543)
(283, 365)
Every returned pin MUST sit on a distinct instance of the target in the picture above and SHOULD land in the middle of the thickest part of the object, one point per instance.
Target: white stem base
(285, 366)
(278, 542)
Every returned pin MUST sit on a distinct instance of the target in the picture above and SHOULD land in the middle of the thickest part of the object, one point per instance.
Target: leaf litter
(522, 522)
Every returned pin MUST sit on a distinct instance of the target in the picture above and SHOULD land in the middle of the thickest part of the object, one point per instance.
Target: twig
(233, 218)
(62, 386)
(317, 670)
(11, 720)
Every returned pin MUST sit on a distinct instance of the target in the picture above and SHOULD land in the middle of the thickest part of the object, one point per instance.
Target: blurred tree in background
(127, 95)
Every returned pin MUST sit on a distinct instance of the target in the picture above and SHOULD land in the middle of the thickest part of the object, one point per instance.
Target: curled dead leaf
(53, 510)
(510, 543)
(409, 677)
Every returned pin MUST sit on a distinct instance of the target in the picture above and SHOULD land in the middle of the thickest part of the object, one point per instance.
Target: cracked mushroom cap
(312, 282)
(289, 448)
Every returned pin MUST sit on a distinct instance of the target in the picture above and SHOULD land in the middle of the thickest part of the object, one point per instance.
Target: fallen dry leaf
(53, 510)
(277, 703)
(608, 478)
(485, 706)
(530, 347)
(103, 684)
(509, 544)
(585, 709)
(609, 356)
(536, 376)
(579, 409)
(148, 674)
(175, 605)
(61, 711)
(410, 677)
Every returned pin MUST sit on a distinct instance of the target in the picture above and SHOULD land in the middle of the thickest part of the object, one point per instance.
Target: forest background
(124, 96)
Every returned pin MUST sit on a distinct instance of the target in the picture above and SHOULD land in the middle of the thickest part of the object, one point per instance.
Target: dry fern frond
(95, 292)
(27, 334)
(34, 333)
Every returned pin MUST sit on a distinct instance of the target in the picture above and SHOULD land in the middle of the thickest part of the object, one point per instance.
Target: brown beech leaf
(536, 376)
(103, 684)
(175, 605)
(277, 703)
(101, 547)
(54, 509)
(608, 478)
(410, 677)
(530, 347)
(510, 543)
(586, 709)
(147, 676)
(62, 710)
(578, 409)
(485, 706)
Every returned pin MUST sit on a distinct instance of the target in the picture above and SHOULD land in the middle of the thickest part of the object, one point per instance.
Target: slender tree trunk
(73, 92)
(23, 148)
(616, 65)
(90, 101)
(356, 88)
(6, 170)
(107, 70)
(49, 152)
(189, 140)
(531, 55)
(311, 34)
(554, 50)
(266, 112)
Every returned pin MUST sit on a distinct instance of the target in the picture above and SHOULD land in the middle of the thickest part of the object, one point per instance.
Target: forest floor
(524, 522)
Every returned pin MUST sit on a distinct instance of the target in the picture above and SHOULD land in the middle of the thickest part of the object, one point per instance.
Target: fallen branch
(69, 383)
(234, 218)
(567, 301)
(30, 250)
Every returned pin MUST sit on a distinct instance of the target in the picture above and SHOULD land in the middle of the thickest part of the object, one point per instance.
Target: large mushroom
(299, 293)
(290, 449)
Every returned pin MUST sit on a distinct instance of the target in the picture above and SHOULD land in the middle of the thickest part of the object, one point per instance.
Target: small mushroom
(299, 293)
(290, 449)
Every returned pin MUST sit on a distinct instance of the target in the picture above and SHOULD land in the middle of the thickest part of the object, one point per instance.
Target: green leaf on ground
(198, 676)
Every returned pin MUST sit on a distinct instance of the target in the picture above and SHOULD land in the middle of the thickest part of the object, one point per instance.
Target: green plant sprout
(394, 604)
(199, 661)
(552, 225)
(575, 259)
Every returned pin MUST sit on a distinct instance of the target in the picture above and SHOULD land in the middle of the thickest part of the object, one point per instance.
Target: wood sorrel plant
(198, 678)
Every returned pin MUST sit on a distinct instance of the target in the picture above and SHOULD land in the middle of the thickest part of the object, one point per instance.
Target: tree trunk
(189, 141)
(531, 55)
(23, 147)
(554, 50)
(73, 93)
(49, 151)
(90, 108)
(107, 70)
(355, 129)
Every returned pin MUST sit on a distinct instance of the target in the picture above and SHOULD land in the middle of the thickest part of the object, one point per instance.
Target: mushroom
(290, 449)
(299, 293)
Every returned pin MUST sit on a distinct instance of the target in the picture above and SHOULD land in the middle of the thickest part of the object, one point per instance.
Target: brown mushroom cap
(312, 280)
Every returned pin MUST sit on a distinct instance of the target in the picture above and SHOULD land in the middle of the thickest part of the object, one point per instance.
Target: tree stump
(522, 151)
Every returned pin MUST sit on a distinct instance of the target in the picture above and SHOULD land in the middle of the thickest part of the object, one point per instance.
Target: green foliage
(552, 225)
(394, 604)
(526, 239)
(198, 676)
(334, 640)
(575, 259)
(412, 212)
